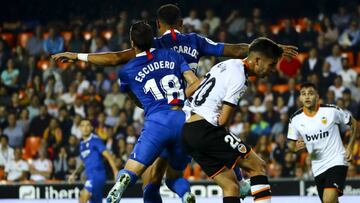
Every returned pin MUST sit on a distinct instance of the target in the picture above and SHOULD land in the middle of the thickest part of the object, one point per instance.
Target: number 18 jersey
(156, 79)
(225, 83)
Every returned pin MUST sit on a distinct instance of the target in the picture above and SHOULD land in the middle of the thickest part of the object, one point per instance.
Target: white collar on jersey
(89, 138)
(168, 31)
(144, 53)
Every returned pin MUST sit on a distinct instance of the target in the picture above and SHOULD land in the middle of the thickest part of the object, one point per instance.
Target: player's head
(141, 36)
(309, 96)
(85, 127)
(263, 56)
(168, 16)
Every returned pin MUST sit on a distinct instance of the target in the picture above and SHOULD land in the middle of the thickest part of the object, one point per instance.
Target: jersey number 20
(168, 89)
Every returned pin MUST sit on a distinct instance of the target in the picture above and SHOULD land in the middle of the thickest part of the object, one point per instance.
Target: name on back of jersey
(186, 50)
(157, 65)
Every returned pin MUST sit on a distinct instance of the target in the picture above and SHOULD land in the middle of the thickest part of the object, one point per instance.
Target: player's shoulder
(330, 106)
(296, 114)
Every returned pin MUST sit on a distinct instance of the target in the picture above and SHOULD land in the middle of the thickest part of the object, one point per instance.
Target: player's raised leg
(152, 178)
(256, 167)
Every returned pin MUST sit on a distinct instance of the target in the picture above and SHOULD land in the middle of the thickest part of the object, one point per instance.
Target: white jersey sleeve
(341, 116)
(293, 133)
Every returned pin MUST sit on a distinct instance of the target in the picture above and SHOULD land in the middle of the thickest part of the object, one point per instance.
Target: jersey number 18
(170, 84)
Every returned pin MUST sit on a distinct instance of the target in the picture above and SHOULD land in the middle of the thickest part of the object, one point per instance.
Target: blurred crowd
(42, 102)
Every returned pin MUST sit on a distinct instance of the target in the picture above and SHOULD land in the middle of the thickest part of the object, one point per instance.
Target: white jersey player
(316, 127)
(205, 136)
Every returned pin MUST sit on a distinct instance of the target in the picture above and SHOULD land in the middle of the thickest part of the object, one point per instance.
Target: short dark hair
(266, 46)
(169, 14)
(142, 36)
(307, 85)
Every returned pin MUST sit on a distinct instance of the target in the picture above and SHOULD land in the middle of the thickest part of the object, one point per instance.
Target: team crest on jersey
(324, 120)
(242, 148)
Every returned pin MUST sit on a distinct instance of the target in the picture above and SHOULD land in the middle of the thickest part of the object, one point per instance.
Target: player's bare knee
(329, 199)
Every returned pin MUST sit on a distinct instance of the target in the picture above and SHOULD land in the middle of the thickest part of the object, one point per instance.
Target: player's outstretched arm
(192, 81)
(353, 137)
(77, 171)
(241, 50)
(133, 97)
(111, 161)
(101, 59)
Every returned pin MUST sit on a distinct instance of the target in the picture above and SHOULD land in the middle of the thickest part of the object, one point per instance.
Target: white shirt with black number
(224, 83)
(321, 133)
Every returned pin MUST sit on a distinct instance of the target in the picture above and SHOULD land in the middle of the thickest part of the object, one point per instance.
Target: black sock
(231, 200)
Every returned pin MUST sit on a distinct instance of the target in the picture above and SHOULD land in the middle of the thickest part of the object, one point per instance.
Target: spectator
(41, 168)
(326, 79)
(249, 34)
(14, 132)
(334, 60)
(212, 20)
(53, 135)
(258, 128)
(72, 148)
(329, 31)
(280, 148)
(34, 107)
(281, 106)
(350, 104)
(34, 45)
(75, 128)
(101, 128)
(235, 22)
(288, 169)
(342, 18)
(115, 97)
(355, 90)
(262, 148)
(65, 122)
(82, 83)
(17, 170)
(9, 77)
(78, 107)
(60, 165)
(291, 94)
(347, 74)
(308, 36)
(350, 38)
(257, 107)
(3, 117)
(289, 67)
(39, 123)
(311, 65)
(101, 45)
(70, 96)
(77, 42)
(237, 128)
(280, 127)
(270, 115)
(288, 35)
(102, 85)
(24, 121)
(192, 22)
(54, 43)
(21, 61)
(119, 36)
(338, 87)
(6, 152)
(4, 55)
(112, 119)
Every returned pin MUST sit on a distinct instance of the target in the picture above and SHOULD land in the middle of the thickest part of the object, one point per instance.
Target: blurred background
(42, 102)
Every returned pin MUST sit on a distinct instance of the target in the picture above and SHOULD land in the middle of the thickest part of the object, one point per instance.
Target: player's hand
(299, 145)
(348, 154)
(289, 50)
(65, 57)
(71, 178)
